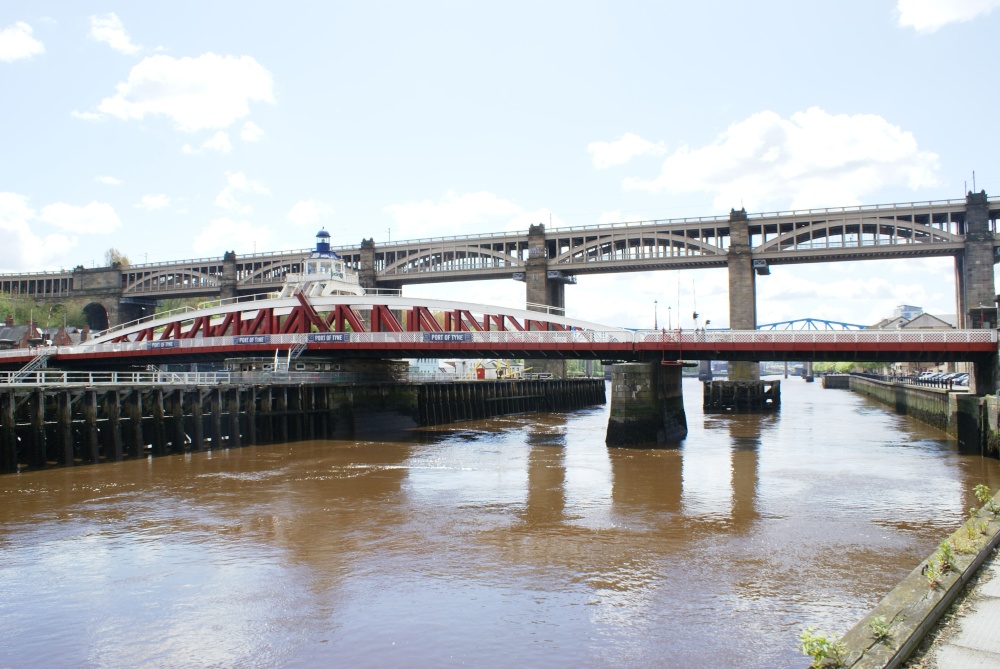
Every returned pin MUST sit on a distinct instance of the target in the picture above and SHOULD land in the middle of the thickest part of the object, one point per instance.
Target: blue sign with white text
(170, 343)
(439, 337)
(252, 339)
(327, 337)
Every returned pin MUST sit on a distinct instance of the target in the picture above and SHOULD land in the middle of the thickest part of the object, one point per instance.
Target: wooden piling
(89, 410)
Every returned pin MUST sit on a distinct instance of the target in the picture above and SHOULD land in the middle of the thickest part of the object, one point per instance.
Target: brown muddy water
(515, 542)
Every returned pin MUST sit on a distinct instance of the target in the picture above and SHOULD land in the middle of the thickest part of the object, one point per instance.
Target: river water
(520, 541)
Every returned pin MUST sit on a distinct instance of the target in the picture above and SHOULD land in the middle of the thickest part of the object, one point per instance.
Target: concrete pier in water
(647, 407)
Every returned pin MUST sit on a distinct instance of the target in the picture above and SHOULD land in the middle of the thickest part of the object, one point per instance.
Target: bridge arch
(447, 259)
(863, 232)
(97, 316)
(652, 245)
(172, 279)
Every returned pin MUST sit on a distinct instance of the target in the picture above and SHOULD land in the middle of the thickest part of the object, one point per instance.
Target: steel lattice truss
(811, 324)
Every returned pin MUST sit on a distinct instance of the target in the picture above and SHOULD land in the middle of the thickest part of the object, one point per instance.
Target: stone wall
(934, 406)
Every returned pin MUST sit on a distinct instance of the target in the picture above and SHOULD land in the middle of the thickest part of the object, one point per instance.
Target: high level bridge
(548, 260)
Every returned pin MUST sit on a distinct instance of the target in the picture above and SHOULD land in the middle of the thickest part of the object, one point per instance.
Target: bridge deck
(864, 345)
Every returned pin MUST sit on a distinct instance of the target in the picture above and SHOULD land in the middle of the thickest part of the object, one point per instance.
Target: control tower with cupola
(323, 273)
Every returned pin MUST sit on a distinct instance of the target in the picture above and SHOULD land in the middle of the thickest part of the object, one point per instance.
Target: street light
(655, 326)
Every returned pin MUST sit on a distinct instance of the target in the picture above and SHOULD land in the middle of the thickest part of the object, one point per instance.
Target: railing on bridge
(933, 227)
(611, 341)
(903, 380)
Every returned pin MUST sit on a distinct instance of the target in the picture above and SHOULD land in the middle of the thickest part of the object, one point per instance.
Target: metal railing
(645, 339)
(49, 377)
(904, 380)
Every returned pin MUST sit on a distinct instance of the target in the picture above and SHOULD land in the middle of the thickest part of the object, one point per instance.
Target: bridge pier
(742, 290)
(975, 286)
(647, 406)
(227, 284)
(367, 274)
(545, 291)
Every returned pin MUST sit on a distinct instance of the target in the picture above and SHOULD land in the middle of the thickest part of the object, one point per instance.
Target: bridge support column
(227, 288)
(367, 272)
(543, 293)
(647, 407)
(742, 290)
(975, 285)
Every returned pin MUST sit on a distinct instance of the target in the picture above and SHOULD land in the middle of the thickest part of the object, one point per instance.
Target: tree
(115, 258)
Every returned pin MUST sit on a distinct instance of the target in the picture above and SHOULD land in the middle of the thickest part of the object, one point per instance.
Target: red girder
(498, 321)
(310, 313)
(344, 314)
(262, 323)
(201, 323)
(230, 325)
(420, 319)
(303, 318)
(513, 322)
(383, 320)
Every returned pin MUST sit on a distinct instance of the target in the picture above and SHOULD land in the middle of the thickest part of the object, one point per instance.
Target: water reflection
(520, 540)
(546, 495)
(745, 435)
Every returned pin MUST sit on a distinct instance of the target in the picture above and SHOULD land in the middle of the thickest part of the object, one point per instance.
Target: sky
(182, 130)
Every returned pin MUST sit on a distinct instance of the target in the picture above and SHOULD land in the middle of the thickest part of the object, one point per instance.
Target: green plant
(965, 546)
(985, 497)
(879, 627)
(933, 572)
(820, 647)
(945, 556)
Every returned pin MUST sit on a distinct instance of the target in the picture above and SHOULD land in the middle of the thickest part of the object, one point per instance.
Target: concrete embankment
(934, 406)
(45, 426)
(973, 421)
(891, 631)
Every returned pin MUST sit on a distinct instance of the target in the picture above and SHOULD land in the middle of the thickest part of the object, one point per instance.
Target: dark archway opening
(97, 316)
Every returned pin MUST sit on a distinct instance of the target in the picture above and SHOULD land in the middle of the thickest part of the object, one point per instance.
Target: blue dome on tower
(323, 246)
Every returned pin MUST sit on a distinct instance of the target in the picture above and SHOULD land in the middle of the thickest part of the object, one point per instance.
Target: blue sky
(186, 129)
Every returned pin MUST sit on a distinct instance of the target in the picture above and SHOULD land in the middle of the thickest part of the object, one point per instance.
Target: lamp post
(655, 326)
(670, 323)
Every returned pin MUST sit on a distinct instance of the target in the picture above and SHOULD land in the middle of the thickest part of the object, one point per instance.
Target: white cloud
(251, 132)
(454, 215)
(622, 150)
(930, 15)
(219, 143)
(152, 202)
(610, 217)
(526, 219)
(16, 43)
(108, 28)
(108, 180)
(26, 246)
(225, 234)
(87, 116)
(308, 212)
(813, 159)
(93, 218)
(237, 182)
(207, 92)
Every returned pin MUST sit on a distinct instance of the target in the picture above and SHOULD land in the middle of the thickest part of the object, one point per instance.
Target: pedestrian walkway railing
(903, 380)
